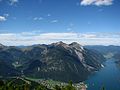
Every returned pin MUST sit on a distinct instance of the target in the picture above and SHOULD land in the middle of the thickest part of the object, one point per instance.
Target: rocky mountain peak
(77, 46)
(74, 44)
(60, 44)
(1, 45)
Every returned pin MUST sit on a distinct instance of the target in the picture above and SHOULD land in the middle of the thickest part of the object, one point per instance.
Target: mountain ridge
(53, 61)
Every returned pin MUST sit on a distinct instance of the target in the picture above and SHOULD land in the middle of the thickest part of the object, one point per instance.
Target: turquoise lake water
(109, 77)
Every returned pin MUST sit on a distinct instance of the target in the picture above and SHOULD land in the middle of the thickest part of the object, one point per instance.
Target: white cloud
(12, 2)
(69, 29)
(54, 21)
(38, 18)
(2, 18)
(29, 38)
(89, 35)
(57, 36)
(97, 2)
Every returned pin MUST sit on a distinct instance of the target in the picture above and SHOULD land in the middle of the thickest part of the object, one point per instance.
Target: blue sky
(84, 21)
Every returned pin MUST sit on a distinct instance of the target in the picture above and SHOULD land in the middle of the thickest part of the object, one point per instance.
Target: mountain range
(104, 49)
(58, 61)
(110, 51)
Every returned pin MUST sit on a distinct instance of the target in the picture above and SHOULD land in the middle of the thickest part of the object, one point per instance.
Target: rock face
(57, 61)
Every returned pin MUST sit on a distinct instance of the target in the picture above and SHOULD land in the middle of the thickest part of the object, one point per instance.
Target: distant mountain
(117, 56)
(57, 61)
(107, 51)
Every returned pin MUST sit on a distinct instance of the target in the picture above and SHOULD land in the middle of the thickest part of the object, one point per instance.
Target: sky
(88, 22)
